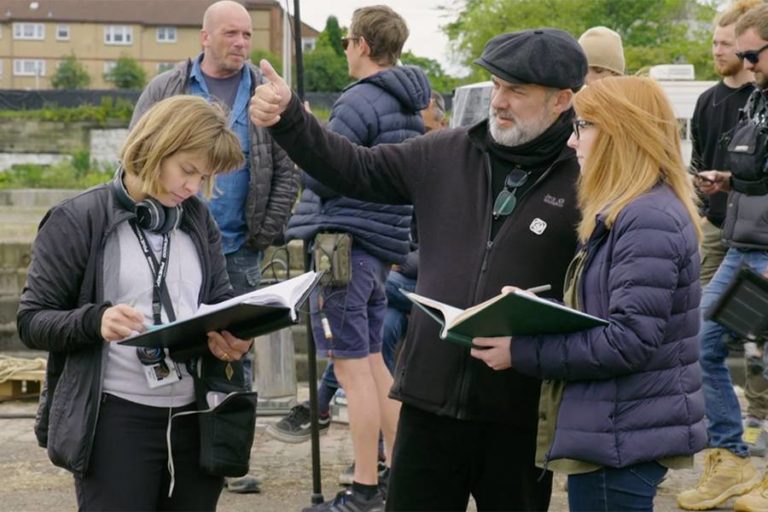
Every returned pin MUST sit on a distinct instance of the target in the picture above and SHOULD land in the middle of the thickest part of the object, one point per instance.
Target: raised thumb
(269, 72)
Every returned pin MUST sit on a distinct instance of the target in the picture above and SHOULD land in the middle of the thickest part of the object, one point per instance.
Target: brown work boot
(725, 475)
(755, 501)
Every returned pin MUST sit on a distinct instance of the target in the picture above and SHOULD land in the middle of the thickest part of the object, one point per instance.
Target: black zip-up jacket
(746, 217)
(446, 175)
(63, 302)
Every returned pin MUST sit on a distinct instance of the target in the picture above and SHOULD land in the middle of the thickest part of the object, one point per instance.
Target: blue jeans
(244, 269)
(610, 489)
(721, 405)
(396, 317)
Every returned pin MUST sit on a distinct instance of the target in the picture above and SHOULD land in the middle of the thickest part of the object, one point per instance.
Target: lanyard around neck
(160, 296)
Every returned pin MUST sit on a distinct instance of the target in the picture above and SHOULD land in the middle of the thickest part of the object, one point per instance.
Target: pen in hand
(539, 289)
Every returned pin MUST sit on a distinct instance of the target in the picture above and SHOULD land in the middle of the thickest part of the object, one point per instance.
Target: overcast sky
(423, 18)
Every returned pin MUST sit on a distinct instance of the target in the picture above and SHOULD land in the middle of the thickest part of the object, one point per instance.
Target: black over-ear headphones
(150, 213)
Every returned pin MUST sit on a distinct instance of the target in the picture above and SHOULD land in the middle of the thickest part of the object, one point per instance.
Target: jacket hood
(408, 84)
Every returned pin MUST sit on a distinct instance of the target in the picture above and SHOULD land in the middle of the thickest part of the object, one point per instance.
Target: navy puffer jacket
(633, 391)
(382, 108)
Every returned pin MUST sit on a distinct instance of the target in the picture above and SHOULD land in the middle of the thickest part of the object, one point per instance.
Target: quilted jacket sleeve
(649, 249)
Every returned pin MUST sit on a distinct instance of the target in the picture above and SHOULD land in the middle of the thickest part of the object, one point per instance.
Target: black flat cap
(544, 56)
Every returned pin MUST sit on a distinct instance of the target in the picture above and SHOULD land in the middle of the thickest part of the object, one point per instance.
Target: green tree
(127, 74)
(439, 80)
(261, 53)
(331, 36)
(325, 67)
(70, 75)
(324, 70)
(653, 31)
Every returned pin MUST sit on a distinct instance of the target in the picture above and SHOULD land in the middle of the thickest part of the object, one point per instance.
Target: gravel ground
(32, 483)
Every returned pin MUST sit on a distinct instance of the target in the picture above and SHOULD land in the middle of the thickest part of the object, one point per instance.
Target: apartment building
(35, 35)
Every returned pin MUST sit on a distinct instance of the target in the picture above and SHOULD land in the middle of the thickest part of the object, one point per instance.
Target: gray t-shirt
(223, 89)
(128, 280)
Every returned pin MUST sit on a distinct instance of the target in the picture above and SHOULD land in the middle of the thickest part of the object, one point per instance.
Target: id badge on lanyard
(159, 369)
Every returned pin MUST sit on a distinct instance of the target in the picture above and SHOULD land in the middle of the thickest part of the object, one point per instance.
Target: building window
(118, 34)
(166, 34)
(29, 31)
(62, 32)
(165, 66)
(308, 43)
(28, 67)
(109, 66)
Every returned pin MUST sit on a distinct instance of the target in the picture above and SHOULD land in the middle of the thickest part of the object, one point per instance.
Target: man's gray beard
(517, 134)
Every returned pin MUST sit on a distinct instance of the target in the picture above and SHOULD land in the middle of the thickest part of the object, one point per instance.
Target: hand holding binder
(245, 316)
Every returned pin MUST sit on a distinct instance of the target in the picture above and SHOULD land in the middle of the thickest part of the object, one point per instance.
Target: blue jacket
(633, 391)
(382, 108)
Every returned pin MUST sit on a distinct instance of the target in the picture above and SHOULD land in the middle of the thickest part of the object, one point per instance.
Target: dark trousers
(438, 462)
(128, 468)
(630, 488)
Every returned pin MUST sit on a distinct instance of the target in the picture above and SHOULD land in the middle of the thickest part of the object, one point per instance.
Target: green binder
(516, 313)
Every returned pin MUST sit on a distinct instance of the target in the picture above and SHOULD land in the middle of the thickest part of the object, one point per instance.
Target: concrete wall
(48, 142)
(106, 144)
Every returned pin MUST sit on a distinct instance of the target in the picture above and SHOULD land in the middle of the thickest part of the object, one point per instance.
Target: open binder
(743, 307)
(246, 316)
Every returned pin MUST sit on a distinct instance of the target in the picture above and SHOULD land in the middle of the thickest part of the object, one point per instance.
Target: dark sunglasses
(751, 56)
(345, 41)
(506, 200)
(580, 124)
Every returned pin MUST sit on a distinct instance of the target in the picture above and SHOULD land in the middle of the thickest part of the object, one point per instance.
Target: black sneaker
(346, 476)
(294, 428)
(247, 484)
(348, 501)
(384, 483)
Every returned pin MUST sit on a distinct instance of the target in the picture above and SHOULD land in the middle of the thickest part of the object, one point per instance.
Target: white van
(470, 105)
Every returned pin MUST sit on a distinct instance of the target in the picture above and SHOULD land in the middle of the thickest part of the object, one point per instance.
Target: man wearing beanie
(605, 53)
(464, 428)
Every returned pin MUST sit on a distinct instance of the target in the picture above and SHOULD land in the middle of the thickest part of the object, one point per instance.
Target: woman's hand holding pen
(120, 321)
(226, 347)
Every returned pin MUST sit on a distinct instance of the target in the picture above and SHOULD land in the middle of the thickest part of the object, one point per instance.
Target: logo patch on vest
(554, 201)
(538, 226)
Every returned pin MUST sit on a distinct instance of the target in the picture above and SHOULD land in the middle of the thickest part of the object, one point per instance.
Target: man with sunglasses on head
(728, 471)
(495, 204)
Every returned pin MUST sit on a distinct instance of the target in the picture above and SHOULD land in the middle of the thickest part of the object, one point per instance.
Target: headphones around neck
(150, 213)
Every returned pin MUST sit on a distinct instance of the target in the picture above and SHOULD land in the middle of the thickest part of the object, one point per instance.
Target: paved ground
(31, 483)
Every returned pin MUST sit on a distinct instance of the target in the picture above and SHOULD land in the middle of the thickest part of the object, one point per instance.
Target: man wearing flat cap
(496, 205)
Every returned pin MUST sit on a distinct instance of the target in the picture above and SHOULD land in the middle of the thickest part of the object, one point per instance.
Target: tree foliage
(331, 36)
(439, 80)
(70, 75)
(653, 31)
(325, 71)
(127, 74)
(325, 67)
(275, 60)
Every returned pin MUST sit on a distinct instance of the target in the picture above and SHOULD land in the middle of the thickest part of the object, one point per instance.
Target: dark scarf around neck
(540, 151)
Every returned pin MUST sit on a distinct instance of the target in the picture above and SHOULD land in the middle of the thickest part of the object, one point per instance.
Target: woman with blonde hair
(112, 261)
(622, 403)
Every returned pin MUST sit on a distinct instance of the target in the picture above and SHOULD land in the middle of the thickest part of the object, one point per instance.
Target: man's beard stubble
(729, 69)
(520, 132)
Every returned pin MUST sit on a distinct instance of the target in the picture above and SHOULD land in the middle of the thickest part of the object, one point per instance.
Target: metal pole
(317, 492)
